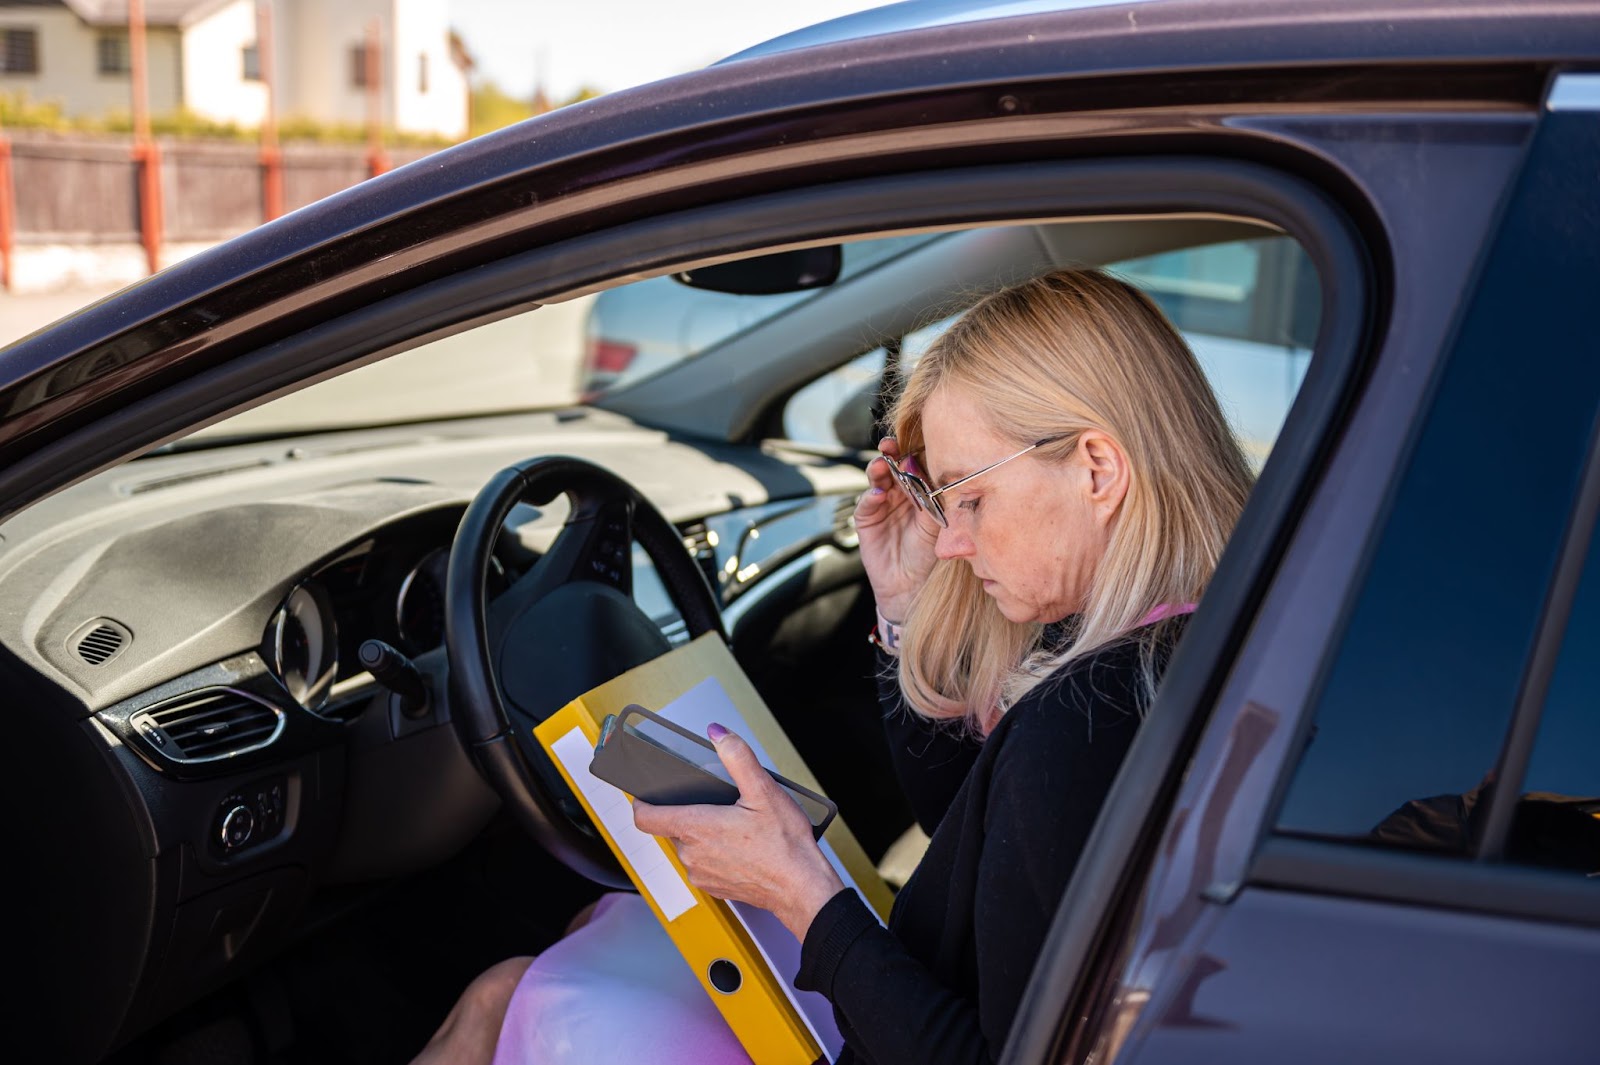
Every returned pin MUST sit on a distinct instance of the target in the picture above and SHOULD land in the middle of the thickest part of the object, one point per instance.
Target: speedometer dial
(419, 610)
(303, 643)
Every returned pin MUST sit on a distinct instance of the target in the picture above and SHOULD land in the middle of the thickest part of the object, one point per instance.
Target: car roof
(913, 15)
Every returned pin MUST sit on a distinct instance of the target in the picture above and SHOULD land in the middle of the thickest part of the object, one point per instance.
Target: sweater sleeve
(1048, 787)
(894, 1010)
(930, 760)
(1043, 795)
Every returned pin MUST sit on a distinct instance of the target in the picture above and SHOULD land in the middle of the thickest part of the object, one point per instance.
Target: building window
(251, 56)
(114, 56)
(422, 72)
(358, 66)
(19, 51)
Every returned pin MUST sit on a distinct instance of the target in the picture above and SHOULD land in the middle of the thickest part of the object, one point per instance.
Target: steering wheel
(566, 625)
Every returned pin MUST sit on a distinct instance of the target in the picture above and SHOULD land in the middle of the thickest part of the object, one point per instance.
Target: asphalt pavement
(21, 315)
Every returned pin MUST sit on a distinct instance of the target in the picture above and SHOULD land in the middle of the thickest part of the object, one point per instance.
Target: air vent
(676, 631)
(697, 539)
(210, 724)
(701, 543)
(98, 641)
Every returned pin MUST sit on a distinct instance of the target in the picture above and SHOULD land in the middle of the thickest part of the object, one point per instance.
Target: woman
(1059, 487)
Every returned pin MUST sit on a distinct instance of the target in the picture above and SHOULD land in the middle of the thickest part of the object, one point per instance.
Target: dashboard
(180, 643)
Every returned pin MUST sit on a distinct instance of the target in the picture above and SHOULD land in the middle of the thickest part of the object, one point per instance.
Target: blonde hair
(1061, 354)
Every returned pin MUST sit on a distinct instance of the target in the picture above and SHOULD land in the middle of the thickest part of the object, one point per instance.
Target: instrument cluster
(391, 591)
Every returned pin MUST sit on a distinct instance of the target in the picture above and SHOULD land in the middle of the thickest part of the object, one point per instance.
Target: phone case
(665, 764)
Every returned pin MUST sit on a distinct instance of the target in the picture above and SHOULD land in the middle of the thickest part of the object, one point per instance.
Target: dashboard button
(238, 824)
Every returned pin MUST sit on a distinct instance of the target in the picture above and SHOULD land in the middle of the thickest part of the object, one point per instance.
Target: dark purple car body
(1397, 620)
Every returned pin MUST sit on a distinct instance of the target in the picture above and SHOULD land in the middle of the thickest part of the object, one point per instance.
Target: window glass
(1248, 310)
(640, 329)
(836, 410)
(1411, 722)
(360, 58)
(1209, 289)
(19, 51)
(113, 54)
(1414, 713)
(551, 357)
(526, 361)
(1557, 821)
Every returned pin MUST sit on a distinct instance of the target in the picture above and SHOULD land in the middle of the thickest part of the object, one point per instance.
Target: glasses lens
(918, 490)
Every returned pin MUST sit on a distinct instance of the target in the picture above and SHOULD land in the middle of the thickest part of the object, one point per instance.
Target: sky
(615, 44)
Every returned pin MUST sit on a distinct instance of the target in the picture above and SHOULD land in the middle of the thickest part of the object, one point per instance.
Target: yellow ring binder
(776, 1024)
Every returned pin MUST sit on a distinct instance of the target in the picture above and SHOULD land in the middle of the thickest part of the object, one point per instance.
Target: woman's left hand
(759, 850)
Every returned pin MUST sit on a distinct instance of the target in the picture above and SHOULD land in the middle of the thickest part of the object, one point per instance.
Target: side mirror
(769, 275)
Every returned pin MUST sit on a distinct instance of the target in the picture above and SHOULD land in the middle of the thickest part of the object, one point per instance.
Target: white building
(204, 57)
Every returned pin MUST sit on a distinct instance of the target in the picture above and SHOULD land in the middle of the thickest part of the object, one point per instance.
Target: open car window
(1247, 306)
(1249, 310)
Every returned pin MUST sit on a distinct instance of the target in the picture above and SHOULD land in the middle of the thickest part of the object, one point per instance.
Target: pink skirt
(616, 990)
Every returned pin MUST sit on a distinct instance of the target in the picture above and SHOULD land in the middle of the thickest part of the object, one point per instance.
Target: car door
(1385, 847)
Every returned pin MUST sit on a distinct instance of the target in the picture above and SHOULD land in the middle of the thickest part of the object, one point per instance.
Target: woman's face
(1032, 531)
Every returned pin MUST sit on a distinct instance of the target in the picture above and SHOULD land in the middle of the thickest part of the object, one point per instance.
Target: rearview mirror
(769, 275)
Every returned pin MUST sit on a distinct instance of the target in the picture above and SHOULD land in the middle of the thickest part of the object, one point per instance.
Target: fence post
(8, 212)
(145, 151)
(271, 154)
(148, 156)
(377, 158)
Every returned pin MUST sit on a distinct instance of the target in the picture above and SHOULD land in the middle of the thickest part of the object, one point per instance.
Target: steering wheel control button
(608, 553)
(238, 825)
(725, 976)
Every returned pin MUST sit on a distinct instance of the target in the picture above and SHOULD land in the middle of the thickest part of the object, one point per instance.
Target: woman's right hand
(897, 536)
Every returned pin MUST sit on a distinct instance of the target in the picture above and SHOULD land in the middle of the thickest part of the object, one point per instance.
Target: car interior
(281, 848)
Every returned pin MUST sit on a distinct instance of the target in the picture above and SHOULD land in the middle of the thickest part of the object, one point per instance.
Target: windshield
(1248, 307)
(528, 361)
(550, 357)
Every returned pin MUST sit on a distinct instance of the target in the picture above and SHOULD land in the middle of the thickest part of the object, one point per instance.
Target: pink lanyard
(1165, 610)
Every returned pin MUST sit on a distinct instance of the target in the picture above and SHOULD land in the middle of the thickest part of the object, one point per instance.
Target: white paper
(647, 854)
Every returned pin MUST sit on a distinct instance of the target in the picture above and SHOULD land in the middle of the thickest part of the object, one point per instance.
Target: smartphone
(665, 764)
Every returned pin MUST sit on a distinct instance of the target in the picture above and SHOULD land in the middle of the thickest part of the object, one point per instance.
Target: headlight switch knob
(238, 825)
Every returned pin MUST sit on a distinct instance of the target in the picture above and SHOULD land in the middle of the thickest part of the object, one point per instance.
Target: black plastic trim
(1326, 868)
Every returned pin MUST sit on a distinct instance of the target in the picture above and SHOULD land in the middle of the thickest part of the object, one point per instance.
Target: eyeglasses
(927, 497)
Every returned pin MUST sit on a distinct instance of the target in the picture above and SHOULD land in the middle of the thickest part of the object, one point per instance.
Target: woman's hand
(759, 850)
(897, 536)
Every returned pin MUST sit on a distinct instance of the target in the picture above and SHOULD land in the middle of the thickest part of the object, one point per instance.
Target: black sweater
(1008, 820)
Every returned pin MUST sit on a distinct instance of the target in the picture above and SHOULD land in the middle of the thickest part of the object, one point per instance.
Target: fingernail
(716, 732)
(911, 465)
(876, 492)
